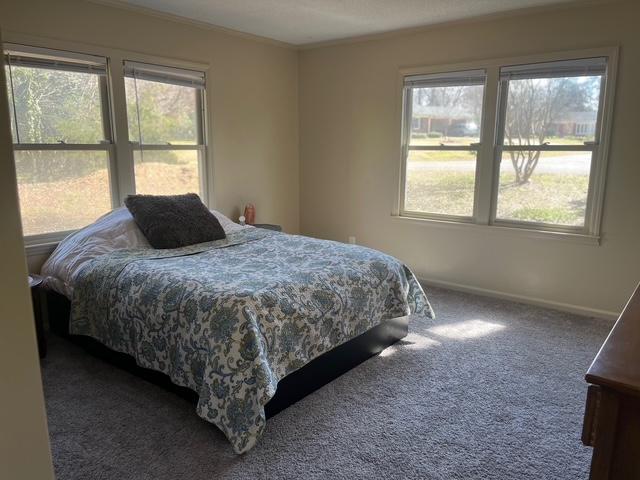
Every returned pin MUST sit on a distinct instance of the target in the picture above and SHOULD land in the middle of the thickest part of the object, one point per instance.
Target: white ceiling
(308, 21)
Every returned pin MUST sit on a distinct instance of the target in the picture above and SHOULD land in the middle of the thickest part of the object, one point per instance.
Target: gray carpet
(491, 390)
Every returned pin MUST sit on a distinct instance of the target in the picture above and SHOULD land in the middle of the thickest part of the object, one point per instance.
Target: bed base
(293, 387)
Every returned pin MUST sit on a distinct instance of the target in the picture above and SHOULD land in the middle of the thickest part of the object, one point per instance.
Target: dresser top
(617, 365)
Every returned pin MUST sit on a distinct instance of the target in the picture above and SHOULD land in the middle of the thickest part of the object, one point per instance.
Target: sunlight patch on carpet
(412, 341)
(465, 330)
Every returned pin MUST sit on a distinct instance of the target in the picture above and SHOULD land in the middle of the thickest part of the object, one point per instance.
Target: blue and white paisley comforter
(230, 318)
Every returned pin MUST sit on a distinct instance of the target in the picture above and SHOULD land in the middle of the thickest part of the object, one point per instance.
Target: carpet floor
(490, 390)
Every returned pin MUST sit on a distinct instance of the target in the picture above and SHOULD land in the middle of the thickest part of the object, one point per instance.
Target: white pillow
(113, 231)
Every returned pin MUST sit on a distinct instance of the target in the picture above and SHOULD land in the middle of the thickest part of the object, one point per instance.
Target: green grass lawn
(547, 198)
(440, 156)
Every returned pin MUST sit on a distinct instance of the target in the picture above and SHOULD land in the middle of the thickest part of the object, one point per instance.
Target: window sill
(521, 232)
(45, 243)
(40, 249)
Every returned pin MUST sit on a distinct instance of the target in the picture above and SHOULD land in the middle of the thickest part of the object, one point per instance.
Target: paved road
(569, 164)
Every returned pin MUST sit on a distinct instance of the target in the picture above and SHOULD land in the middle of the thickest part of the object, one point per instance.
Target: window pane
(440, 182)
(61, 190)
(168, 113)
(53, 106)
(449, 115)
(544, 187)
(558, 111)
(167, 172)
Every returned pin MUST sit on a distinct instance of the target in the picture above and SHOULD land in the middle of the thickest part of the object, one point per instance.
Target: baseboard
(565, 307)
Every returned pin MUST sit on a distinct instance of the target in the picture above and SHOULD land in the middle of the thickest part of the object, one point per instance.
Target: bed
(250, 323)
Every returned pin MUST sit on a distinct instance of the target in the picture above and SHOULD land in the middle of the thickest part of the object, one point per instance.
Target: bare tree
(533, 106)
(54, 106)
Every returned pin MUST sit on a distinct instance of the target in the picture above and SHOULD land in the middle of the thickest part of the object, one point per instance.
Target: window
(164, 111)
(64, 120)
(441, 153)
(62, 140)
(545, 160)
(545, 165)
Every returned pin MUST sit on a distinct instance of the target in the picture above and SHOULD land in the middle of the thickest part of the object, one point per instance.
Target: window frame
(407, 102)
(121, 162)
(488, 163)
(593, 147)
(199, 147)
(106, 145)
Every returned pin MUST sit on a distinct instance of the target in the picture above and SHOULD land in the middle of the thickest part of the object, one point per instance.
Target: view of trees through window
(164, 114)
(548, 186)
(168, 113)
(440, 180)
(549, 126)
(59, 189)
(447, 114)
(63, 146)
(547, 137)
(55, 106)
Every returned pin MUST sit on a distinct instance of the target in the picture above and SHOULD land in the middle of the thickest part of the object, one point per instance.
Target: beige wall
(24, 444)
(349, 158)
(252, 93)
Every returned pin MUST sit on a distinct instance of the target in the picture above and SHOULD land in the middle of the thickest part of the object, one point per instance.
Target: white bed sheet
(113, 231)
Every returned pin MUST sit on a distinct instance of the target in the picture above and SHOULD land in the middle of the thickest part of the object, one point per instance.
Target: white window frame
(190, 77)
(589, 227)
(121, 164)
(67, 61)
(454, 78)
(487, 169)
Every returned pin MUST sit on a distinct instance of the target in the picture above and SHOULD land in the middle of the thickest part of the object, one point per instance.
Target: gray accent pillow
(173, 221)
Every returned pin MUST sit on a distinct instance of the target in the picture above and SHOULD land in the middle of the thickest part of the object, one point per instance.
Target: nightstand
(37, 298)
(268, 226)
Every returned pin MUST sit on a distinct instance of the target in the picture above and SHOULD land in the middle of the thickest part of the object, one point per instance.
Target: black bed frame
(291, 388)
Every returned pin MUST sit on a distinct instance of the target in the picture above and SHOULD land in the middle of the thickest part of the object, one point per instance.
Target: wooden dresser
(612, 414)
